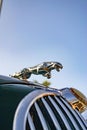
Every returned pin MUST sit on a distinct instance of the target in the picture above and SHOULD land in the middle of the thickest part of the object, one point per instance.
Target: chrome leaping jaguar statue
(44, 69)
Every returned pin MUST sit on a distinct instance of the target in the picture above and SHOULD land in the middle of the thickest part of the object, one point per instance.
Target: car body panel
(13, 93)
(10, 96)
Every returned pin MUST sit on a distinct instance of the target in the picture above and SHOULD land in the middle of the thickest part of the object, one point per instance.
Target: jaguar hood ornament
(44, 69)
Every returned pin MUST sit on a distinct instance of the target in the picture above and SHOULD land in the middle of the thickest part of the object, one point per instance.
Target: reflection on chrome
(75, 98)
(84, 114)
(81, 104)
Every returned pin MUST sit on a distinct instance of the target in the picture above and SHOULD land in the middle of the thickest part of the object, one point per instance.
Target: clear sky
(34, 31)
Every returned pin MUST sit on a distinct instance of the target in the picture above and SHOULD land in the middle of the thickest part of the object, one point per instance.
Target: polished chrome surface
(82, 117)
(75, 115)
(32, 127)
(42, 110)
(51, 114)
(44, 69)
(41, 116)
(60, 112)
(84, 114)
(75, 98)
(67, 113)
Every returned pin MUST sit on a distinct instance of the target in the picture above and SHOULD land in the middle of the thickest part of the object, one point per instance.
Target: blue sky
(34, 31)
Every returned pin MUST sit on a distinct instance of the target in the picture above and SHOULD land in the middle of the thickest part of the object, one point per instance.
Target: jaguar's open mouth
(58, 68)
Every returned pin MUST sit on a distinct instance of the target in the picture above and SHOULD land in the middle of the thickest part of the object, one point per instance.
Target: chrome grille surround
(45, 110)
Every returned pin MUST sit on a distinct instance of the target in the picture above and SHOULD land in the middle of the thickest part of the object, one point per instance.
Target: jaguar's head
(58, 66)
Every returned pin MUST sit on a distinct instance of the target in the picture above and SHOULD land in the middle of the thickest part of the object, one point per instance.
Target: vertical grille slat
(60, 113)
(53, 117)
(75, 115)
(31, 124)
(41, 116)
(68, 114)
(81, 117)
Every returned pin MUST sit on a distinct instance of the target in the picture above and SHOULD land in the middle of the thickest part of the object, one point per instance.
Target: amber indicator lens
(81, 103)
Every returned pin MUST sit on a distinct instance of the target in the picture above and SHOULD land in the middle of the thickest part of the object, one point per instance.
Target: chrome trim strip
(60, 113)
(68, 114)
(81, 117)
(31, 124)
(57, 125)
(42, 119)
(74, 113)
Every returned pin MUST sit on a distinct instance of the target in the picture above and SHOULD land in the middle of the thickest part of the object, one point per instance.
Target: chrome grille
(53, 113)
(44, 110)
